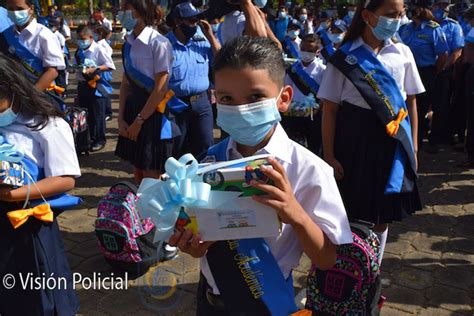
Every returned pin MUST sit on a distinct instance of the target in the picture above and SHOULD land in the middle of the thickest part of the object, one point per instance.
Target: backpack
(77, 119)
(352, 286)
(125, 239)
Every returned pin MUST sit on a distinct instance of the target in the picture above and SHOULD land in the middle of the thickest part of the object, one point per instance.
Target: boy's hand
(189, 243)
(90, 70)
(281, 196)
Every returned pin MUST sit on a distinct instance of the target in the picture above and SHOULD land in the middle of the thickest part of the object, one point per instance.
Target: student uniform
(362, 145)
(314, 187)
(291, 47)
(93, 99)
(306, 128)
(233, 26)
(36, 247)
(150, 53)
(103, 43)
(426, 41)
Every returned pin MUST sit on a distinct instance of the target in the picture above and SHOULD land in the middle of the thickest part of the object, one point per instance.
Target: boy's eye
(225, 99)
(257, 97)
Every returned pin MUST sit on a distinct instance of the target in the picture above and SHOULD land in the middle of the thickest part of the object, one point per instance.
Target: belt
(192, 98)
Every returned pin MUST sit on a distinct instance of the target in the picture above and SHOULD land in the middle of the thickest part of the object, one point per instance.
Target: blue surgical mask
(386, 28)
(215, 28)
(336, 38)
(439, 14)
(282, 14)
(260, 3)
(303, 17)
(8, 117)
(248, 124)
(307, 57)
(84, 44)
(95, 37)
(127, 19)
(20, 17)
(350, 14)
(293, 34)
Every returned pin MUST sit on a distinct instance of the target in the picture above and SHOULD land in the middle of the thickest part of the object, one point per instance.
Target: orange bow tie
(42, 212)
(393, 126)
(93, 83)
(162, 106)
(59, 90)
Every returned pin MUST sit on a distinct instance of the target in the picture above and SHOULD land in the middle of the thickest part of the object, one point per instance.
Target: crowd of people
(343, 101)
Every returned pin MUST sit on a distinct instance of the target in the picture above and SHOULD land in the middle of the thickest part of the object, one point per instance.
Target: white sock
(382, 236)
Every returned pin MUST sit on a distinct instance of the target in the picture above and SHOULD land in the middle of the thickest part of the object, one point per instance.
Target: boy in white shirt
(94, 83)
(249, 75)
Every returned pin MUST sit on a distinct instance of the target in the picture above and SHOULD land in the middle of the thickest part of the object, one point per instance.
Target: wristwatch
(140, 118)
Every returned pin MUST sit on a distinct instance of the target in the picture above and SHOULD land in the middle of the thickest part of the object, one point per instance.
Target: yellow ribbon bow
(59, 90)
(393, 126)
(162, 106)
(93, 83)
(42, 212)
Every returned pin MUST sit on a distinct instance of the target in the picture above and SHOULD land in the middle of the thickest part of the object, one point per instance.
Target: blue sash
(305, 83)
(290, 49)
(381, 92)
(324, 38)
(328, 51)
(103, 88)
(246, 273)
(146, 84)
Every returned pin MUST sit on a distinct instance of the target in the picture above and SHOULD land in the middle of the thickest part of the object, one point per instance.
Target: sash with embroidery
(145, 84)
(246, 273)
(32, 65)
(100, 81)
(305, 83)
(290, 50)
(381, 92)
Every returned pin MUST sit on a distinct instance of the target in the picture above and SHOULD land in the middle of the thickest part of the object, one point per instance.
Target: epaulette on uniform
(432, 24)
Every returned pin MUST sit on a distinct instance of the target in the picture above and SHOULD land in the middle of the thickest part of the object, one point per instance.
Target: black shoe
(168, 252)
(97, 147)
(108, 118)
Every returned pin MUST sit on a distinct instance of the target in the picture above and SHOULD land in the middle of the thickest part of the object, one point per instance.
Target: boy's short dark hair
(84, 30)
(312, 38)
(253, 52)
(102, 31)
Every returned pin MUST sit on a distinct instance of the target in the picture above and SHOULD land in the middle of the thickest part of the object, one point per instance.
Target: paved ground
(428, 268)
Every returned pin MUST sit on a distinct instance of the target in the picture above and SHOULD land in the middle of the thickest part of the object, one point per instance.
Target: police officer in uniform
(444, 82)
(193, 50)
(428, 44)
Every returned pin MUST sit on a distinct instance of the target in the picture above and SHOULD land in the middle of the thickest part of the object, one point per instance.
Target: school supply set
(308, 107)
(214, 200)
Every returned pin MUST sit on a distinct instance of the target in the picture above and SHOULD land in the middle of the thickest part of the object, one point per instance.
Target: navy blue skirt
(34, 250)
(366, 153)
(149, 152)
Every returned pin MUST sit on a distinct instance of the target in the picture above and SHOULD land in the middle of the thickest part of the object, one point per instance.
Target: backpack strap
(132, 187)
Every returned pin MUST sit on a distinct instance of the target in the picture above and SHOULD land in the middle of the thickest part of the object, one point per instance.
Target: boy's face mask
(8, 117)
(19, 17)
(248, 124)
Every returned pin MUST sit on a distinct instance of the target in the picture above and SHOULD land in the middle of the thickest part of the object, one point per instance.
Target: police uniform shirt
(454, 34)
(151, 53)
(190, 71)
(315, 189)
(105, 45)
(396, 58)
(5, 21)
(98, 55)
(42, 43)
(233, 26)
(51, 148)
(426, 42)
(315, 70)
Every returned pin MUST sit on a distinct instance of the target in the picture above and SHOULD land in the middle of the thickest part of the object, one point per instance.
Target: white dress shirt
(98, 55)
(151, 53)
(51, 148)
(397, 59)
(315, 70)
(61, 39)
(42, 43)
(103, 43)
(315, 189)
(107, 23)
(233, 26)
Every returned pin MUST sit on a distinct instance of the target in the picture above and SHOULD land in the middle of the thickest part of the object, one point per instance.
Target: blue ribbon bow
(162, 200)
(8, 152)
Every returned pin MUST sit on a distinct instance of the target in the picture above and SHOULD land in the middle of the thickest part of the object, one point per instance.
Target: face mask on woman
(8, 117)
(386, 28)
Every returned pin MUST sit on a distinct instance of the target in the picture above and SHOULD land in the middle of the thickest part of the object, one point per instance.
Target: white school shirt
(51, 148)
(397, 59)
(233, 26)
(103, 43)
(42, 43)
(150, 52)
(97, 54)
(61, 39)
(107, 23)
(315, 70)
(66, 30)
(315, 189)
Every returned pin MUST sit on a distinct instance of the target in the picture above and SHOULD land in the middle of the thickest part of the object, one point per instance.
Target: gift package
(231, 213)
(11, 174)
